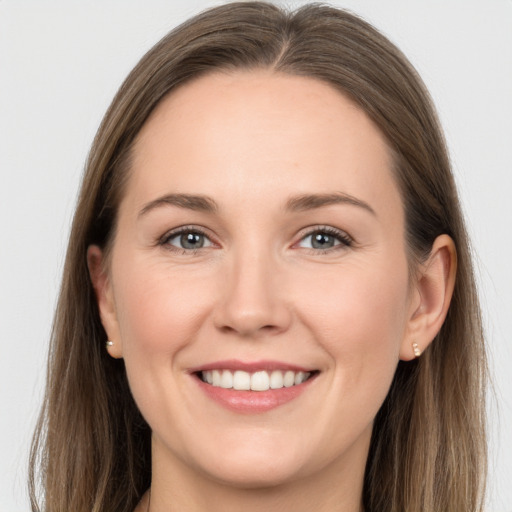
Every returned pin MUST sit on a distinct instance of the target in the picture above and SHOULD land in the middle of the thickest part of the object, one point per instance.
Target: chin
(252, 476)
(253, 465)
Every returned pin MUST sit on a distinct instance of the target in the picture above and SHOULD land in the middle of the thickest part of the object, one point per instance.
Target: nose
(253, 298)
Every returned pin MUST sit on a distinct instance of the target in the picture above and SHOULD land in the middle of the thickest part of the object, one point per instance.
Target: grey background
(62, 61)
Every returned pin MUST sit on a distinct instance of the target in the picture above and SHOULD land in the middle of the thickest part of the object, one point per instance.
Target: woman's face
(260, 243)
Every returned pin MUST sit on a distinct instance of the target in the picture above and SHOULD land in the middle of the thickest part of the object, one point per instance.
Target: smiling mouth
(263, 380)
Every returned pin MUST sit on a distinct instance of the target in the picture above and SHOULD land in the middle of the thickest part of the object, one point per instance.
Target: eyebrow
(312, 201)
(188, 201)
(299, 203)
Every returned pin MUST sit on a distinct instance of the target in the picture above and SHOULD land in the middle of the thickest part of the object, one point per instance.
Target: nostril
(250, 303)
(246, 331)
(226, 329)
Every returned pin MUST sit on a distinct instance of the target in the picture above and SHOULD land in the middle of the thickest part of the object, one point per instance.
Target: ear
(432, 294)
(105, 297)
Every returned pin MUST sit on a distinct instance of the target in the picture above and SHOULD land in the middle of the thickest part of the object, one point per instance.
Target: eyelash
(193, 230)
(345, 241)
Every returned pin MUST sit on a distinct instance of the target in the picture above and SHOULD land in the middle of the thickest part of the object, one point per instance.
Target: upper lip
(250, 366)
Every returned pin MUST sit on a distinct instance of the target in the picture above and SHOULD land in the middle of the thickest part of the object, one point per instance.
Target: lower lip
(253, 401)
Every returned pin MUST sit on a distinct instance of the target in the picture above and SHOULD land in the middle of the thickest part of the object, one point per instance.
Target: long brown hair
(91, 450)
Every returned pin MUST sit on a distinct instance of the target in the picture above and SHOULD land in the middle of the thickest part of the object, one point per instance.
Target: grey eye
(189, 240)
(322, 241)
(192, 241)
(319, 240)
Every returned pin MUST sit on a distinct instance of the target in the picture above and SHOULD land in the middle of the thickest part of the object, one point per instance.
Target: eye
(186, 239)
(324, 239)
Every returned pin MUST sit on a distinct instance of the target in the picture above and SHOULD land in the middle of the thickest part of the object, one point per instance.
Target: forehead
(252, 133)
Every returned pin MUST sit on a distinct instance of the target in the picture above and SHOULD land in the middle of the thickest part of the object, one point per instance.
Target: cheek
(159, 310)
(359, 317)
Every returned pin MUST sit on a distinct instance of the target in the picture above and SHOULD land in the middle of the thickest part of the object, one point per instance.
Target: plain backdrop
(60, 65)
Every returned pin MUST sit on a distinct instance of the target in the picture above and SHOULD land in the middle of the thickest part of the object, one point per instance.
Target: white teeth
(216, 378)
(258, 381)
(289, 379)
(241, 380)
(276, 380)
(226, 380)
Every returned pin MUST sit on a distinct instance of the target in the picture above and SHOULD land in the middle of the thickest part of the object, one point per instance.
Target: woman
(268, 300)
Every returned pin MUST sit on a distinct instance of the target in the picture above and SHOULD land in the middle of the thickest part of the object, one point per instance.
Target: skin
(258, 290)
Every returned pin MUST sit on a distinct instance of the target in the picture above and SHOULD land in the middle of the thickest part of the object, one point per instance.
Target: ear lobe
(433, 290)
(105, 298)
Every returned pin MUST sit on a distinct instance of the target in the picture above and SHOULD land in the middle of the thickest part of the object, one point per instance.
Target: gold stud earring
(416, 349)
